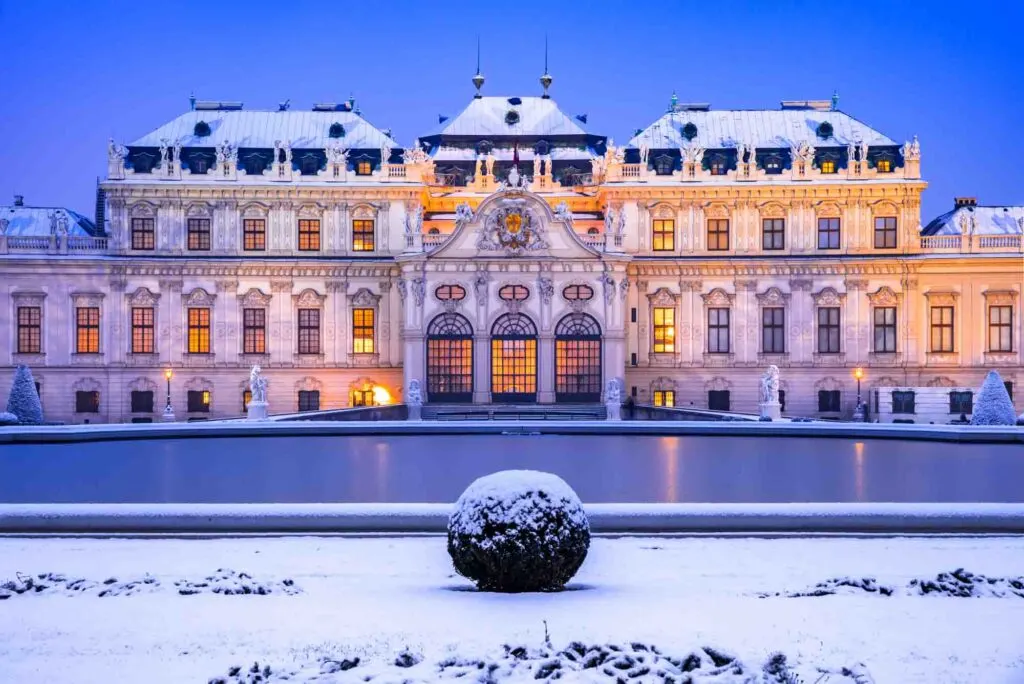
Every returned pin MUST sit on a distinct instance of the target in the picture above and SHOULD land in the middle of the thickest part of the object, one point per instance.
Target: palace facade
(511, 255)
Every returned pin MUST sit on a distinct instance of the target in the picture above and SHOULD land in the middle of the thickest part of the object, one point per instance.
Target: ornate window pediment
(198, 210)
(254, 298)
(141, 210)
(308, 211)
(309, 384)
(718, 298)
(87, 299)
(884, 208)
(716, 210)
(309, 299)
(828, 296)
(199, 297)
(142, 384)
(86, 385)
(663, 383)
(364, 211)
(663, 211)
(772, 210)
(663, 297)
(997, 297)
(256, 210)
(885, 296)
(828, 210)
(142, 297)
(717, 384)
(199, 385)
(828, 384)
(364, 298)
(942, 297)
(773, 296)
(941, 381)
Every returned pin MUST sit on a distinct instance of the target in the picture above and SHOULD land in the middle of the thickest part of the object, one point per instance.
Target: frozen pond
(602, 469)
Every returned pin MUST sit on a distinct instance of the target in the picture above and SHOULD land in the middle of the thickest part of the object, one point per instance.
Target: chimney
(19, 200)
(964, 202)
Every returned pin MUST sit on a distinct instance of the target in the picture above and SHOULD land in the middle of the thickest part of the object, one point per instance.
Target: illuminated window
(254, 331)
(87, 330)
(199, 234)
(828, 233)
(828, 330)
(362, 235)
(143, 233)
(665, 398)
(246, 398)
(254, 235)
(142, 330)
(450, 359)
(773, 164)
(198, 401)
(309, 235)
(885, 232)
(664, 330)
(718, 331)
(828, 166)
(199, 331)
(574, 293)
(363, 397)
(30, 319)
(362, 331)
(1000, 328)
(513, 293)
(718, 235)
(883, 165)
(773, 330)
(453, 293)
(718, 165)
(773, 233)
(364, 168)
(885, 329)
(942, 329)
(513, 359)
(309, 331)
(664, 235)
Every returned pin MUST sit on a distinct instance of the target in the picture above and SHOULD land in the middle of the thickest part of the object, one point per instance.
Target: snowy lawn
(373, 598)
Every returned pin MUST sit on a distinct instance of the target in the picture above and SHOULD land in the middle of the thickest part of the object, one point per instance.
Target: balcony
(52, 244)
(970, 244)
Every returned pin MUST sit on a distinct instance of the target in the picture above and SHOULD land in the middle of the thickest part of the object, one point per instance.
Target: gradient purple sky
(74, 75)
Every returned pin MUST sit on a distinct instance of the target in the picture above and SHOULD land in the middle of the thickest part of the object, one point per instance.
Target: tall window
(246, 398)
(1000, 328)
(87, 330)
(142, 330)
(885, 329)
(829, 401)
(828, 330)
(362, 331)
(942, 329)
(142, 401)
(718, 235)
(885, 232)
(254, 331)
(362, 235)
(199, 233)
(198, 331)
(309, 400)
(665, 398)
(961, 402)
(309, 235)
(718, 400)
(903, 401)
(718, 331)
(664, 235)
(828, 233)
(664, 330)
(254, 235)
(773, 330)
(198, 401)
(773, 233)
(143, 233)
(309, 331)
(87, 402)
(30, 325)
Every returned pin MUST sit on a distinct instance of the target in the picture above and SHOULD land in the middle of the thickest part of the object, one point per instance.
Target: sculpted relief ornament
(513, 229)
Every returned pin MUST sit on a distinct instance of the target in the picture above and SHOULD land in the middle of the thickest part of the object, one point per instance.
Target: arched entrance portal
(578, 359)
(514, 360)
(450, 359)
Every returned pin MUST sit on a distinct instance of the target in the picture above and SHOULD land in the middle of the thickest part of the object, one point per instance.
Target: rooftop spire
(478, 80)
(545, 79)
(835, 100)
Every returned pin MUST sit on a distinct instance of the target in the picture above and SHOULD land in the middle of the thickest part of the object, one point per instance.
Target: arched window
(514, 360)
(450, 358)
(578, 359)
(514, 293)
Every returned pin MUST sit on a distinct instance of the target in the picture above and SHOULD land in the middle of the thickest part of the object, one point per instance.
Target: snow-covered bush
(24, 400)
(1020, 419)
(993, 405)
(8, 418)
(518, 530)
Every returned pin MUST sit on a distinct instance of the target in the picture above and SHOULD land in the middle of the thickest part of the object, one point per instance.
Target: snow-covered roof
(503, 154)
(978, 220)
(486, 117)
(261, 128)
(39, 221)
(758, 128)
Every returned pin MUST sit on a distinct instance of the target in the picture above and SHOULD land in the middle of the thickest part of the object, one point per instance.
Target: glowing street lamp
(858, 413)
(168, 416)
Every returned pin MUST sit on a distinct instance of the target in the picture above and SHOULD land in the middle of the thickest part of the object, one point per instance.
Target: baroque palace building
(512, 256)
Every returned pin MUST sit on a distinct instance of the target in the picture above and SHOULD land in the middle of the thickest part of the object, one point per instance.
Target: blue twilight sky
(74, 74)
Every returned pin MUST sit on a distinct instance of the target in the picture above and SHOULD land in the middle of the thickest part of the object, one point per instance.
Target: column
(279, 323)
(385, 322)
(643, 312)
(226, 347)
(172, 319)
(117, 325)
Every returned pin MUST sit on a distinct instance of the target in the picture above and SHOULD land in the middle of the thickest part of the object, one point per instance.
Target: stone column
(334, 323)
(279, 323)
(546, 367)
(226, 343)
(172, 319)
(385, 323)
(643, 313)
(118, 329)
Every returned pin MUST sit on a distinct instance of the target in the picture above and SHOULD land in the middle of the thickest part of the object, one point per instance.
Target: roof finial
(673, 102)
(545, 79)
(835, 100)
(192, 101)
(478, 80)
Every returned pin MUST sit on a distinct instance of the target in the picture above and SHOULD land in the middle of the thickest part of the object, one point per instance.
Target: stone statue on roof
(741, 151)
(645, 152)
(563, 213)
(863, 151)
(536, 165)
(385, 152)
(803, 151)
(115, 152)
(692, 153)
(336, 154)
(489, 163)
(165, 152)
(288, 151)
(277, 151)
(912, 149)
(851, 153)
(463, 214)
(414, 220)
(177, 151)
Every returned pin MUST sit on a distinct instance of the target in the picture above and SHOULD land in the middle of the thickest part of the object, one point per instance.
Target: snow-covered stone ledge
(611, 519)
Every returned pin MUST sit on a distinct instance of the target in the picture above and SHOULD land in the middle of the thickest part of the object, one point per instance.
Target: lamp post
(858, 413)
(168, 416)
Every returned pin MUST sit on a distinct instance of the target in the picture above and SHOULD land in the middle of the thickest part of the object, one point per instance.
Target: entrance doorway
(450, 359)
(578, 359)
(514, 360)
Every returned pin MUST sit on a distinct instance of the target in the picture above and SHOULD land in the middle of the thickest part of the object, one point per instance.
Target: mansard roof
(997, 220)
(262, 128)
(485, 117)
(44, 221)
(722, 128)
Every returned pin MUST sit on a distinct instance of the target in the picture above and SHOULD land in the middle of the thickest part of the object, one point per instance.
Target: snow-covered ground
(372, 598)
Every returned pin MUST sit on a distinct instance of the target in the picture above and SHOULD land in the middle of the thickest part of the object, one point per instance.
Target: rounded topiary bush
(518, 530)
(8, 418)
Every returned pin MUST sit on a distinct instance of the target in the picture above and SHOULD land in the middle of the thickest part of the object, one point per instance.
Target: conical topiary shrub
(993, 405)
(24, 400)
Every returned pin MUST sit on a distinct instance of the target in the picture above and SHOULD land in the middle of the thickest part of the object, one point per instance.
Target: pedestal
(614, 411)
(415, 412)
(771, 409)
(168, 415)
(257, 410)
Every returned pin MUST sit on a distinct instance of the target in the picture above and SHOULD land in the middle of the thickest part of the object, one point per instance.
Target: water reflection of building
(511, 255)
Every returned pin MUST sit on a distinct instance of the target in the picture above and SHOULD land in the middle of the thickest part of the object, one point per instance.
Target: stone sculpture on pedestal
(258, 401)
(769, 406)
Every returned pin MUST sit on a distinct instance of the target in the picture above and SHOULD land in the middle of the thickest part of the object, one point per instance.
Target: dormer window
(883, 164)
(718, 165)
(364, 167)
(772, 164)
(255, 165)
(143, 162)
(198, 164)
(828, 166)
(663, 164)
(309, 165)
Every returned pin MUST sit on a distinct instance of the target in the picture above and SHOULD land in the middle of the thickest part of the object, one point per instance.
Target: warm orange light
(381, 396)
(858, 373)
(168, 373)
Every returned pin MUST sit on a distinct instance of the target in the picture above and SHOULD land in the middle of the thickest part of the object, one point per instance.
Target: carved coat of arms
(511, 228)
